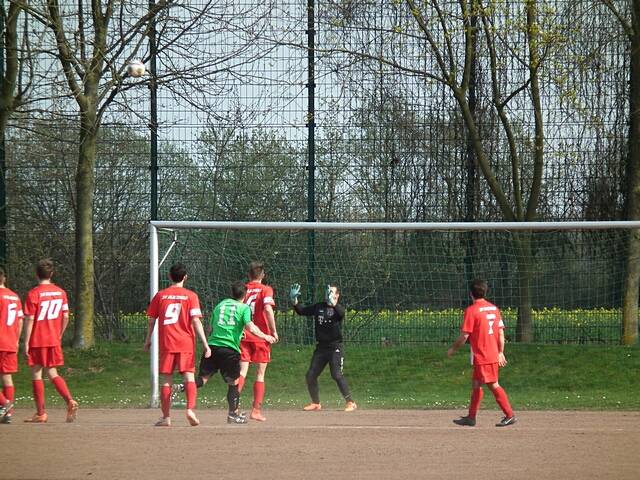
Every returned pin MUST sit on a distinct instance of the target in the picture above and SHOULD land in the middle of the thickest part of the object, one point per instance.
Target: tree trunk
(9, 67)
(631, 288)
(632, 278)
(471, 185)
(10, 64)
(524, 256)
(85, 181)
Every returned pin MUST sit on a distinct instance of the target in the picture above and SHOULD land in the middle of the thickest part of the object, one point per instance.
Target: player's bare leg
(191, 393)
(258, 393)
(244, 370)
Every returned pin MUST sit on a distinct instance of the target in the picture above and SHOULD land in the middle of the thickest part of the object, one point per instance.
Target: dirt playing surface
(366, 444)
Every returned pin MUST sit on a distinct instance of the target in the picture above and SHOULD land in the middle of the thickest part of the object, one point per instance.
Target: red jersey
(47, 304)
(257, 297)
(10, 316)
(483, 322)
(175, 307)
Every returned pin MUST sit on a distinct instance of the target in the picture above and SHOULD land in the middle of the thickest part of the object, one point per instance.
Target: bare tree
(15, 76)
(628, 14)
(93, 45)
(440, 44)
(10, 95)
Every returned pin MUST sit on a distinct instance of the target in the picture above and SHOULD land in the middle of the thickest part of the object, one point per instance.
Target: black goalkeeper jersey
(327, 322)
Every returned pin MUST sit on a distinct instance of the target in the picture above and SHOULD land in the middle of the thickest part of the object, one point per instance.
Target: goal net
(406, 284)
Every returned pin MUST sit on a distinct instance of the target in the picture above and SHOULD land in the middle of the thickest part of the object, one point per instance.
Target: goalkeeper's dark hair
(177, 272)
(336, 287)
(238, 290)
(44, 269)
(255, 270)
(478, 288)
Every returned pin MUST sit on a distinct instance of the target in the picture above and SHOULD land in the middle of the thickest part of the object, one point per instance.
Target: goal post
(406, 283)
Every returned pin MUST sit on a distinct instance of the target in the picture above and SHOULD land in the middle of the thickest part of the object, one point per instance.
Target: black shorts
(226, 360)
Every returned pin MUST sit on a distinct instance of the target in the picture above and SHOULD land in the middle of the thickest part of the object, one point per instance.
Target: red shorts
(181, 361)
(45, 356)
(487, 373)
(255, 352)
(8, 362)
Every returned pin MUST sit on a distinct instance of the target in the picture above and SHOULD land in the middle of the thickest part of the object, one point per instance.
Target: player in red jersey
(10, 328)
(484, 328)
(253, 349)
(46, 311)
(177, 310)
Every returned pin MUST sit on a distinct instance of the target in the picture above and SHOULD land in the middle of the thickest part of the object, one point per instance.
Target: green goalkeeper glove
(330, 297)
(294, 293)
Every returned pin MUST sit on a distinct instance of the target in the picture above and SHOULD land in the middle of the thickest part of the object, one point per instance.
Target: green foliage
(442, 326)
(414, 327)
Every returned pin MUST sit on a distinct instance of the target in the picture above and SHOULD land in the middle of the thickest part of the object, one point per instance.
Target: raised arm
(294, 293)
(306, 311)
(340, 310)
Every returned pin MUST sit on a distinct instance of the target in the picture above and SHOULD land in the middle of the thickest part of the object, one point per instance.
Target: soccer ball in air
(136, 69)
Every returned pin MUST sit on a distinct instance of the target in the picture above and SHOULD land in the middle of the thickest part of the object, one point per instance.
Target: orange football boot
(72, 411)
(350, 406)
(37, 418)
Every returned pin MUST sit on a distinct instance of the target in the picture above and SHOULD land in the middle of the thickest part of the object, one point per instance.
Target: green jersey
(228, 321)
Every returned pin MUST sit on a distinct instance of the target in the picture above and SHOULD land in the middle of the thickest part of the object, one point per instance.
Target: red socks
(476, 398)
(192, 393)
(165, 400)
(61, 387)
(3, 398)
(38, 392)
(503, 401)
(258, 395)
(241, 383)
(9, 394)
(38, 395)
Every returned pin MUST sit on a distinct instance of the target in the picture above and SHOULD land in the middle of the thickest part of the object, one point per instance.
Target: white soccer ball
(136, 69)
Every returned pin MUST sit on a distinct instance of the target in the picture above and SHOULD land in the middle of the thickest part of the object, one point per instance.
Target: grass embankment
(537, 377)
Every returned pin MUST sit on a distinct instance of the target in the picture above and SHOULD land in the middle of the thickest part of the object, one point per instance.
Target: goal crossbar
(575, 225)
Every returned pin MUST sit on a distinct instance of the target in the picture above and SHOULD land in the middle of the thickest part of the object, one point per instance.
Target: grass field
(537, 377)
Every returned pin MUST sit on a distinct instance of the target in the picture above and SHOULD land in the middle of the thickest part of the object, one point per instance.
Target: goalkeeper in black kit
(327, 319)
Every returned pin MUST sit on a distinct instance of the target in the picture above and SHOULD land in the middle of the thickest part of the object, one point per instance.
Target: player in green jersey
(228, 321)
